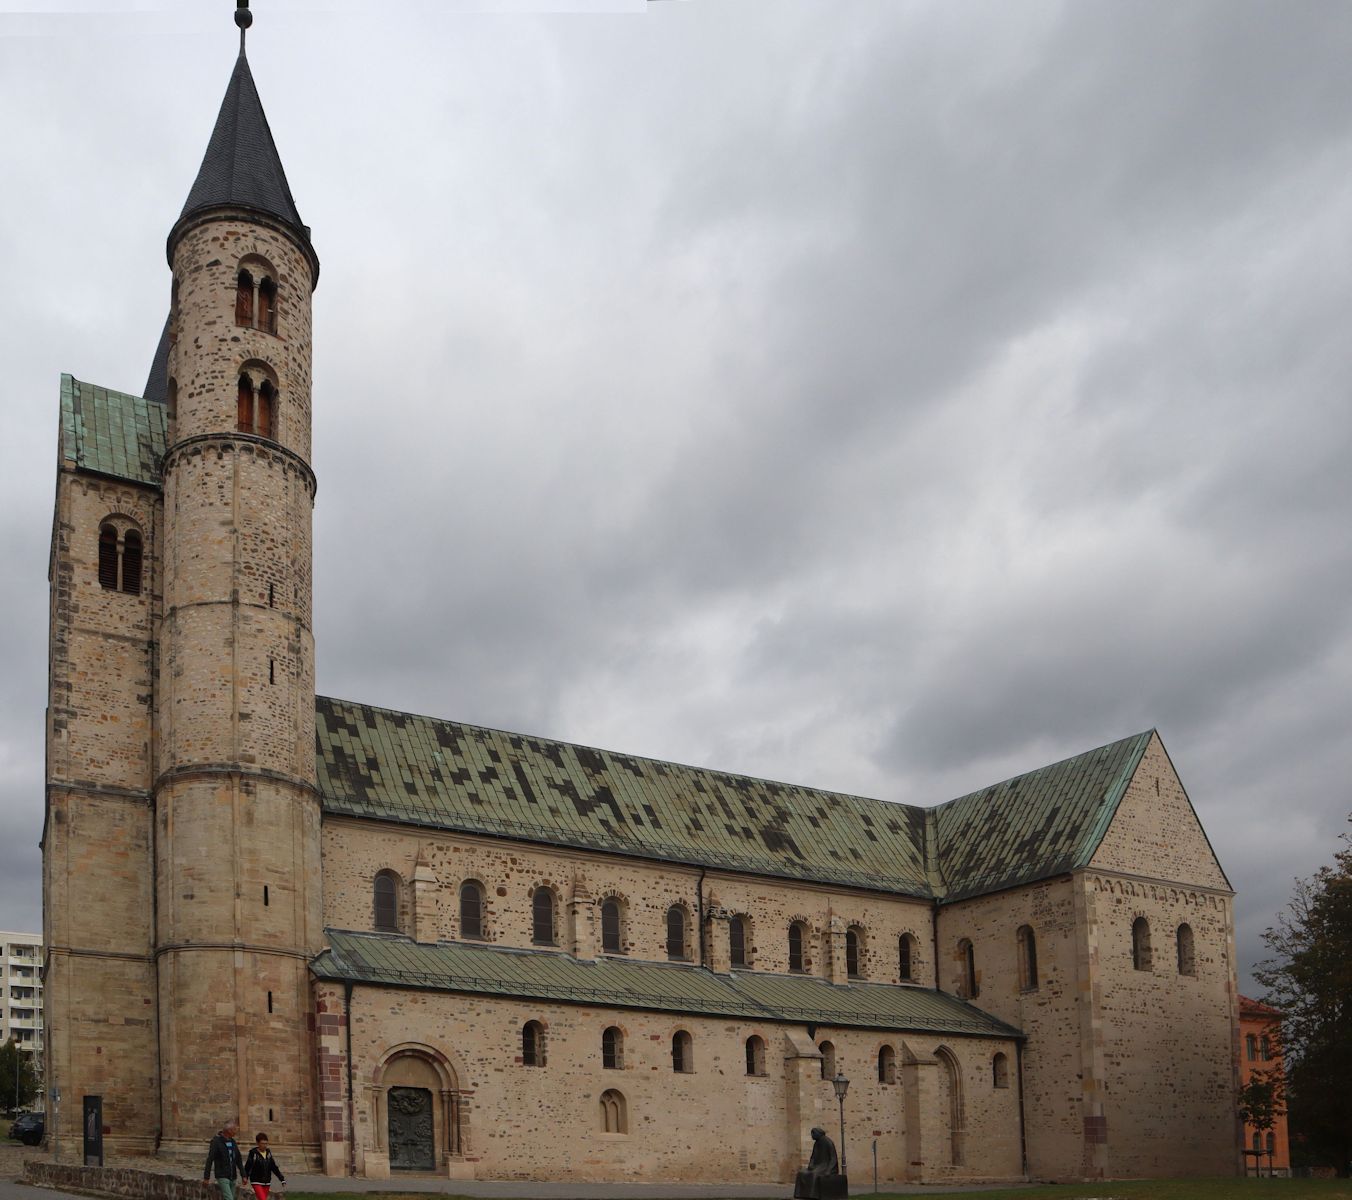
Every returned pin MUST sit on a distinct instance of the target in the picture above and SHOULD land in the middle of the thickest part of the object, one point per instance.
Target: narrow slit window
(737, 941)
(269, 1002)
(265, 895)
(796, 947)
(272, 670)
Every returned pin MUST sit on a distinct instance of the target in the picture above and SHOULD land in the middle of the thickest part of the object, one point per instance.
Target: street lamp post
(842, 1085)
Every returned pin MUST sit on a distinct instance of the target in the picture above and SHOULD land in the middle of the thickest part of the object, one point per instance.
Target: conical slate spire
(241, 166)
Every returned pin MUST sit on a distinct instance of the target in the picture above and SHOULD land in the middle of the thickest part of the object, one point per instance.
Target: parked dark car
(29, 1128)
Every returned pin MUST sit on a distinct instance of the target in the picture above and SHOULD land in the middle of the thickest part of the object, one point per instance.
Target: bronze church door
(412, 1142)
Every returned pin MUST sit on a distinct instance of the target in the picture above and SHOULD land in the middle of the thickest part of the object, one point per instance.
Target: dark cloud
(892, 401)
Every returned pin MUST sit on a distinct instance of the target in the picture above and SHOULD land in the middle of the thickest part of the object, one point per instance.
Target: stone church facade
(401, 943)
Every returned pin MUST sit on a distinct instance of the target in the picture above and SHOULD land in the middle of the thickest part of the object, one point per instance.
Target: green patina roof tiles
(111, 433)
(484, 970)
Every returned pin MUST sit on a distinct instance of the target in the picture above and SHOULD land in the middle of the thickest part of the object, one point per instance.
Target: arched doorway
(950, 1103)
(416, 1096)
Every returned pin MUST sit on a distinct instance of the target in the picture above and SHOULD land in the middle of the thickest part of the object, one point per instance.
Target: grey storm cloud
(891, 398)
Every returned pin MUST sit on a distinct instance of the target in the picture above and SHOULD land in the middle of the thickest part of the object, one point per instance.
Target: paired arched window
(612, 1049)
(828, 1050)
(471, 910)
(386, 896)
(887, 1065)
(678, 937)
(532, 1044)
(755, 1055)
(796, 938)
(737, 941)
(120, 560)
(614, 1119)
(1140, 944)
(610, 926)
(682, 1052)
(906, 958)
(1000, 1071)
(1187, 956)
(967, 984)
(542, 917)
(1027, 958)
(854, 952)
(256, 408)
(255, 302)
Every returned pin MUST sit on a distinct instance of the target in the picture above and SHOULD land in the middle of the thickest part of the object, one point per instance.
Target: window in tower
(267, 305)
(245, 405)
(267, 407)
(108, 557)
(244, 299)
(120, 559)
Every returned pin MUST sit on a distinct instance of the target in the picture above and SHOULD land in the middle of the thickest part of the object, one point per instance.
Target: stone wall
(116, 1181)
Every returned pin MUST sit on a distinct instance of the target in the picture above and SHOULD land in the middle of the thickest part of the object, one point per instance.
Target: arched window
(853, 956)
(906, 958)
(612, 1049)
(387, 902)
(677, 946)
(967, 985)
(244, 299)
(1265, 1047)
(131, 562)
(108, 557)
(682, 1052)
(267, 305)
(471, 910)
(1251, 1047)
(796, 947)
(1000, 1071)
(614, 1119)
(171, 401)
(244, 408)
(1257, 1142)
(1140, 944)
(267, 408)
(828, 1050)
(542, 917)
(737, 941)
(532, 1044)
(1187, 958)
(610, 926)
(1271, 1143)
(887, 1065)
(755, 1055)
(1027, 958)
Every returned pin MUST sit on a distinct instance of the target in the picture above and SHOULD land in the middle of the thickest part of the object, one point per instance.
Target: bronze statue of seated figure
(821, 1178)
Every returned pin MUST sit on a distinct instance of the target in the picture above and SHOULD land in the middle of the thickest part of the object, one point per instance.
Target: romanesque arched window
(614, 1118)
(120, 559)
(755, 1055)
(532, 1044)
(828, 1050)
(1140, 944)
(131, 562)
(1187, 957)
(678, 946)
(610, 926)
(267, 305)
(1000, 1071)
(1027, 958)
(887, 1065)
(266, 412)
(612, 1049)
(244, 299)
(796, 932)
(906, 958)
(471, 910)
(737, 941)
(967, 985)
(542, 917)
(108, 557)
(854, 940)
(386, 898)
(682, 1052)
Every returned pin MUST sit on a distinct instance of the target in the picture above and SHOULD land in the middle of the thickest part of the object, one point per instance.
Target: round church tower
(237, 812)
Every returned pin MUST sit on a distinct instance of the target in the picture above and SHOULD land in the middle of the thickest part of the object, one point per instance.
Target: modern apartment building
(21, 999)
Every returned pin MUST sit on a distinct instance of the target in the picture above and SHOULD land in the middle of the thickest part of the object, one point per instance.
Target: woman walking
(260, 1167)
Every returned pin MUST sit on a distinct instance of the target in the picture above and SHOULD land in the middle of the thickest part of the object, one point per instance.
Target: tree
(1261, 1102)
(1309, 978)
(14, 1061)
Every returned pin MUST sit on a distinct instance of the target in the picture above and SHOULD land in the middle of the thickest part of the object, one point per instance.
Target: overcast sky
(890, 397)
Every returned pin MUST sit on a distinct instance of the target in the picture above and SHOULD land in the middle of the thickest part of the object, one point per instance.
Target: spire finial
(243, 18)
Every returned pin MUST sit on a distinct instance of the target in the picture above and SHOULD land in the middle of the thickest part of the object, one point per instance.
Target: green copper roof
(111, 433)
(395, 766)
(1044, 823)
(623, 983)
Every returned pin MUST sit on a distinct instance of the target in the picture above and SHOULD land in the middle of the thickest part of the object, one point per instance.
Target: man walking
(224, 1159)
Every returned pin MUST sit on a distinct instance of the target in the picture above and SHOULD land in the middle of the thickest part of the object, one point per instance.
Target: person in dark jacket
(224, 1161)
(260, 1167)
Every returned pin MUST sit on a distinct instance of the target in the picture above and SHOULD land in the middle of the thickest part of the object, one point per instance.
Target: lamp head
(841, 1084)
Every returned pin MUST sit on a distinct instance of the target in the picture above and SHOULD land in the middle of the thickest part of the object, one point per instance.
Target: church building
(401, 943)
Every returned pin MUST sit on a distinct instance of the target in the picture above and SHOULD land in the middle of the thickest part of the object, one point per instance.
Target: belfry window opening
(256, 409)
(120, 560)
(255, 302)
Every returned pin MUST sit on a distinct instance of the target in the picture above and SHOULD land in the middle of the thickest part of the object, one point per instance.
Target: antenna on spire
(243, 18)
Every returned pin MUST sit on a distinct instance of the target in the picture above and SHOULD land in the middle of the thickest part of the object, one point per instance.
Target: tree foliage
(1309, 978)
(12, 1061)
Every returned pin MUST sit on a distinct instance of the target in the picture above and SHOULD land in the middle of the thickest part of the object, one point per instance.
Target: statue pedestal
(809, 1186)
